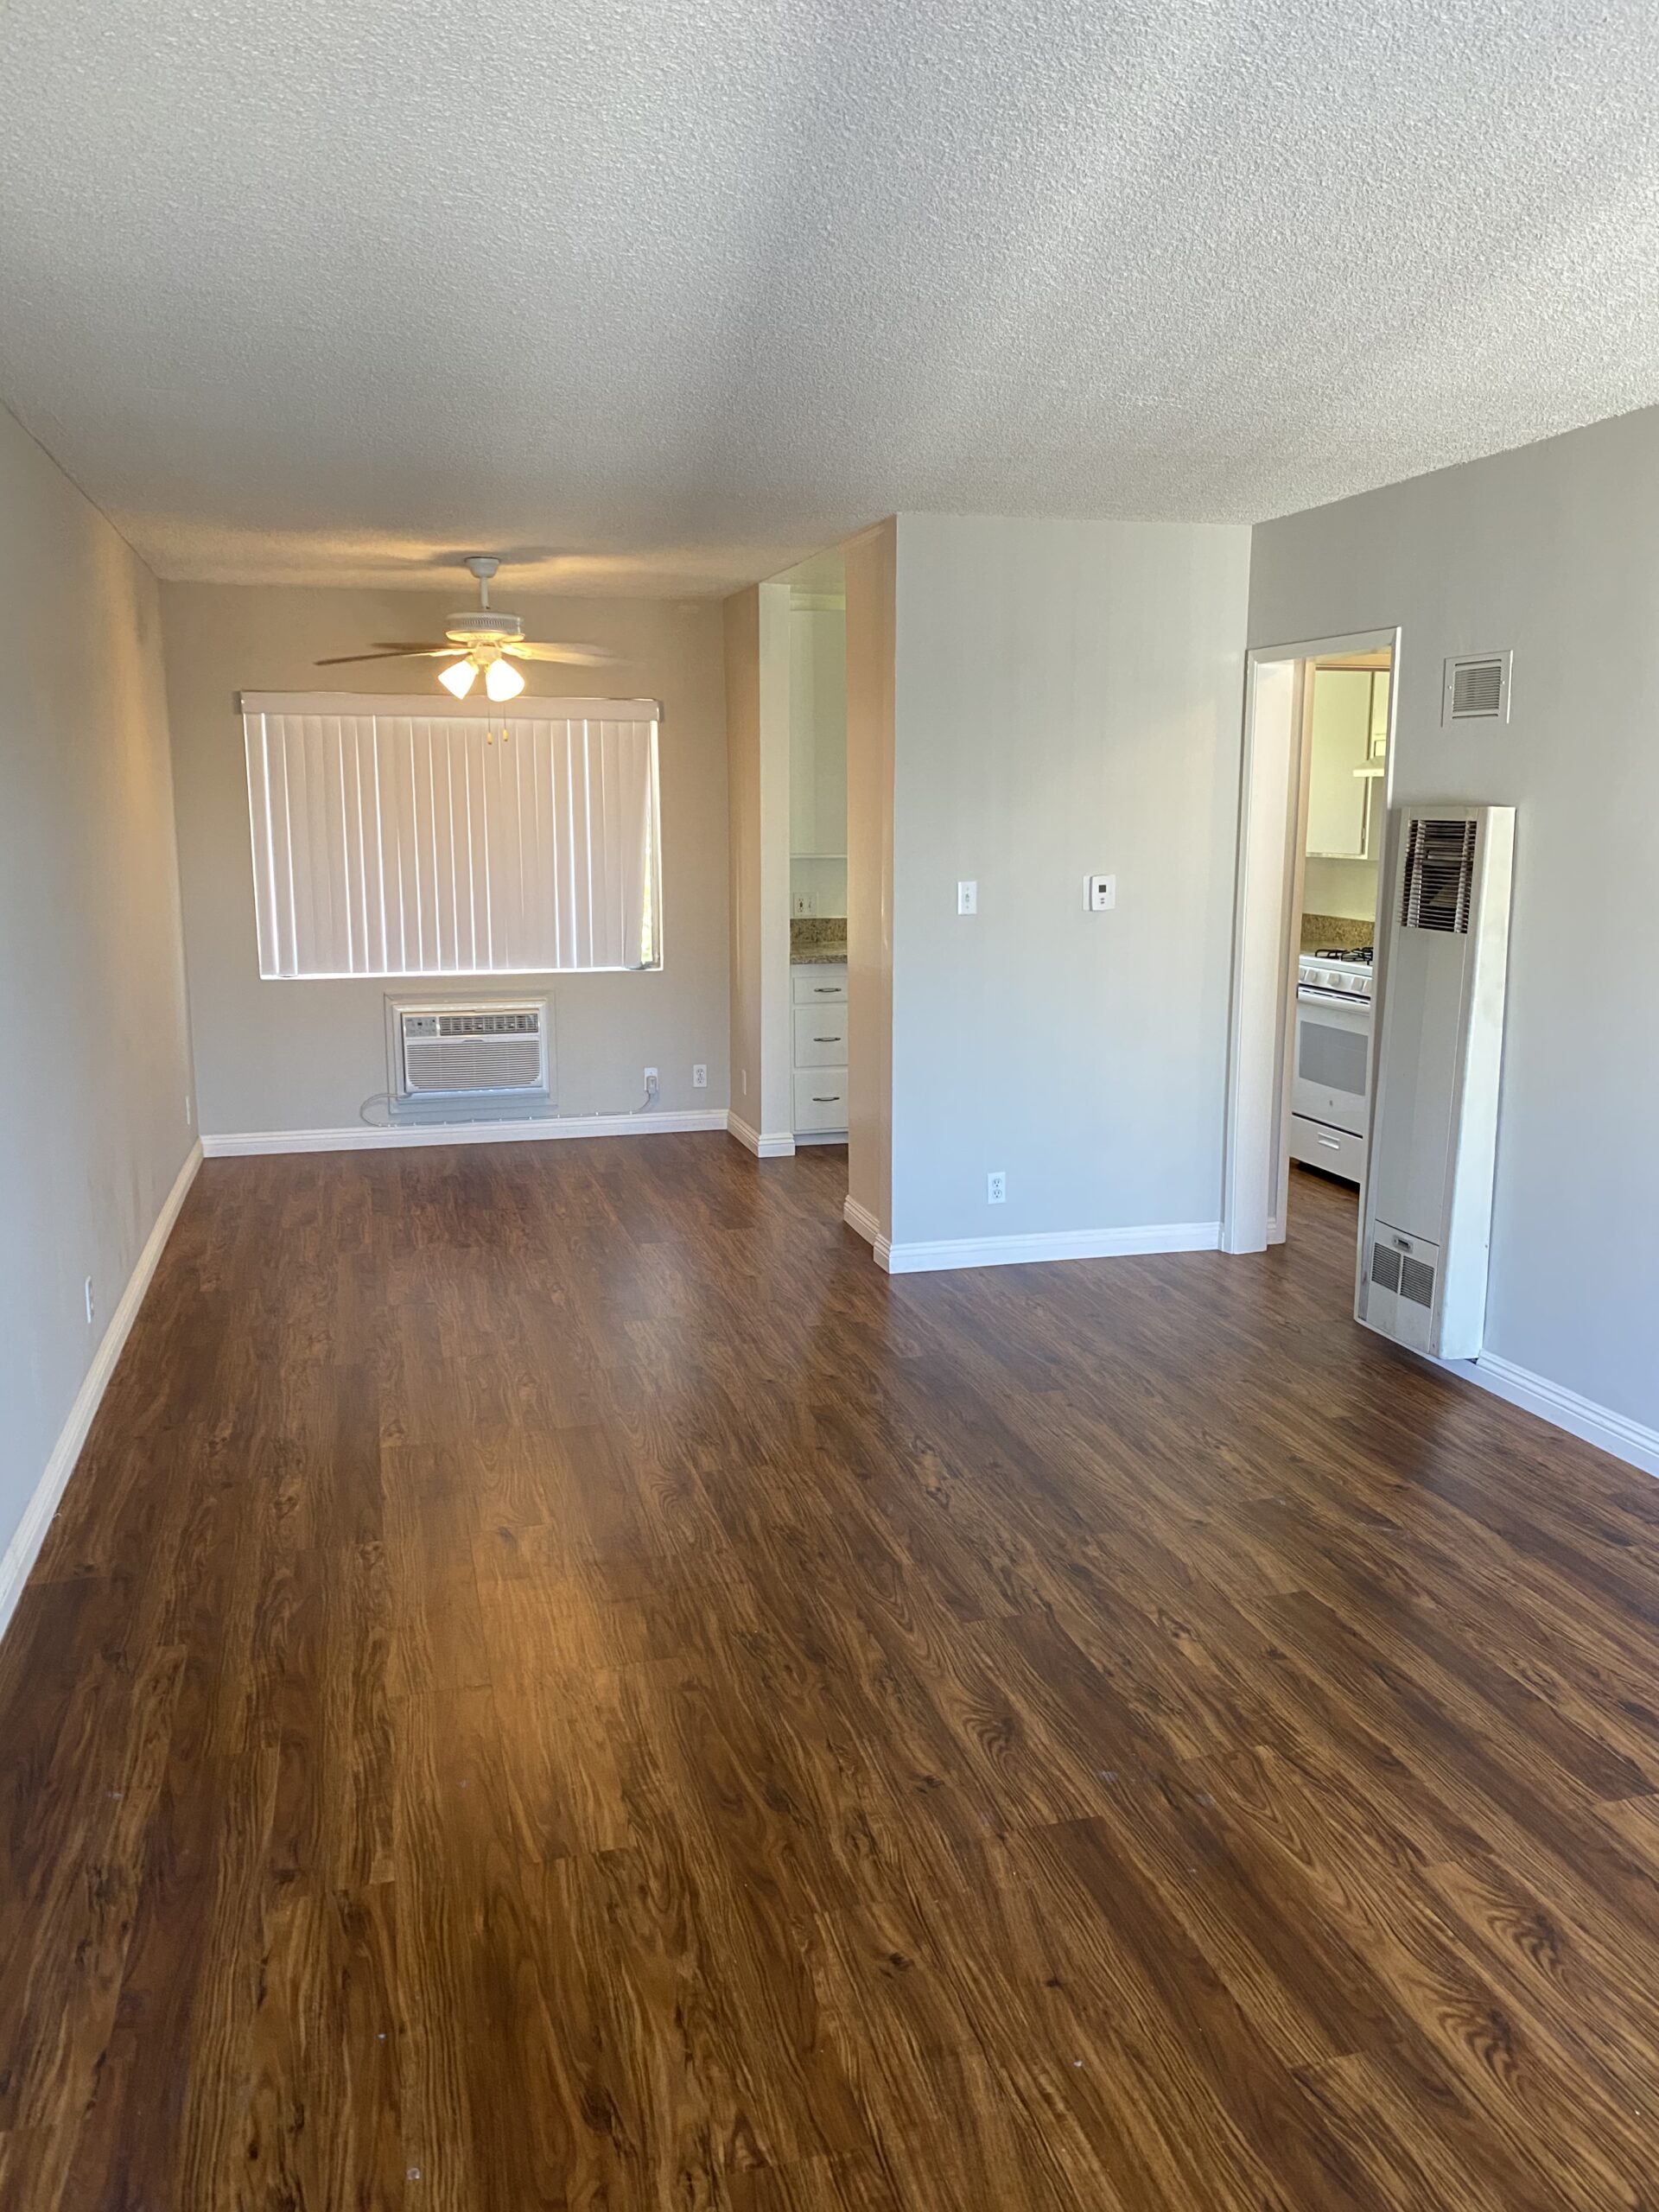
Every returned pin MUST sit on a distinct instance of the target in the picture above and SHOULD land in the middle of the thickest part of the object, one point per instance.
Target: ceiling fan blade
(577, 656)
(393, 652)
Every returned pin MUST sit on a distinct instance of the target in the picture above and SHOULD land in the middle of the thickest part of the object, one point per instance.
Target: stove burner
(1361, 954)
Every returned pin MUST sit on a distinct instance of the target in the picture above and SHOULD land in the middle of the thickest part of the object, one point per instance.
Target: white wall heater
(446, 1056)
(1435, 1085)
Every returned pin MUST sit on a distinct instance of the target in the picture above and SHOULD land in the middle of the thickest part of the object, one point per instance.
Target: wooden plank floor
(557, 1684)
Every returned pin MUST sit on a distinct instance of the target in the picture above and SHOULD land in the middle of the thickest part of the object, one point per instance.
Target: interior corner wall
(756, 625)
(95, 1114)
(292, 1056)
(870, 578)
(1069, 701)
(1552, 550)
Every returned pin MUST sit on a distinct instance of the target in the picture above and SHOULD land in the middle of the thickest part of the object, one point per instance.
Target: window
(388, 841)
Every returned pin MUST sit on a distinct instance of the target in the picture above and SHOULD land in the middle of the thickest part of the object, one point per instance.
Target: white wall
(297, 1056)
(870, 567)
(756, 627)
(93, 1120)
(1068, 700)
(1552, 551)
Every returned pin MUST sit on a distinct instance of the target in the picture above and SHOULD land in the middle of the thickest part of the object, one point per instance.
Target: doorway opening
(1319, 719)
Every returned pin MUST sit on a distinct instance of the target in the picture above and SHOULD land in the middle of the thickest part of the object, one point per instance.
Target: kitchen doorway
(1312, 817)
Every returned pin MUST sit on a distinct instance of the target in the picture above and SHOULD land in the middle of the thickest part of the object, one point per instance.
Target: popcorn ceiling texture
(662, 296)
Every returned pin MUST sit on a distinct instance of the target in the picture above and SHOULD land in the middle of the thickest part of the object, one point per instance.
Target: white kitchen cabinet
(1338, 799)
(818, 991)
(817, 733)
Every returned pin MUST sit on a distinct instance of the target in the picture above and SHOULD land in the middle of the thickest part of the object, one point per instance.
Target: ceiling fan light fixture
(459, 678)
(502, 681)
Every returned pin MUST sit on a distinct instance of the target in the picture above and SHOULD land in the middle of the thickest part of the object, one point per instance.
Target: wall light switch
(1099, 893)
(968, 898)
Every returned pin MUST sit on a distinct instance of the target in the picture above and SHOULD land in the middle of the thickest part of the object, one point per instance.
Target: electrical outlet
(968, 898)
(745, 1083)
(92, 1303)
(651, 1085)
(1099, 893)
(699, 1076)
(996, 1187)
(189, 1110)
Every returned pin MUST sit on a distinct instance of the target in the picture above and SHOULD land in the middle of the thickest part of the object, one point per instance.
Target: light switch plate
(1099, 893)
(968, 898)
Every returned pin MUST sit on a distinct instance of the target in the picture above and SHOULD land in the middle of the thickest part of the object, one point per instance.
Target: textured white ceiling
(667, 294)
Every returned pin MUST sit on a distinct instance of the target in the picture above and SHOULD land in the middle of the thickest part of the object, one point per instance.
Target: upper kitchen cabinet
(1339, 792)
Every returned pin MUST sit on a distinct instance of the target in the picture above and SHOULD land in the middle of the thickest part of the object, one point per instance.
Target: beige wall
(94, 1122)
(291, 1056)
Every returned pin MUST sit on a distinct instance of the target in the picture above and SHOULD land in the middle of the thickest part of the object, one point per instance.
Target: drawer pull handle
(1329, 1144)
(833, 1099)
(826, 1040)
(825, 990)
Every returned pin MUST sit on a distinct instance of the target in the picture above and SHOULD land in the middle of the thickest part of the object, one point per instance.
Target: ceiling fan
(481, 642)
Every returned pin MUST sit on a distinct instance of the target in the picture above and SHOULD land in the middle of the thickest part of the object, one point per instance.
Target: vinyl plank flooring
(557, 1684)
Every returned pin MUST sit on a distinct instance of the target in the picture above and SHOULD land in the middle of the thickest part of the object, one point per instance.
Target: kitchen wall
(1552, 551)
(94, 1120)
(297, 1056)
(1345, 888)
(1068, 700)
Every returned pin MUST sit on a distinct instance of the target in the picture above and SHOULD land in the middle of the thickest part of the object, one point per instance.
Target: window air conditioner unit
(1433, 1136)
(452, 1060)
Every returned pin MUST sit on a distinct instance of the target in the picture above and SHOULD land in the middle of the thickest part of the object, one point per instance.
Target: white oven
(1329, 1099)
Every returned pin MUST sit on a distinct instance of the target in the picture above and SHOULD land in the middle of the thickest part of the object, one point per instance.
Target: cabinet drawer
(821, 1099)
(1338, 1151)
(821, 1036)
(819, 985)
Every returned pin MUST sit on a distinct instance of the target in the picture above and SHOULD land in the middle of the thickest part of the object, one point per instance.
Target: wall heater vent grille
(1440, 875)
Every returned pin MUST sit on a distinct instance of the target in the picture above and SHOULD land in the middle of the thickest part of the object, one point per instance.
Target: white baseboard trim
(861, 1219)
(819, 1136)
(29, 1534)
(363, 1138)
(1608, 1431)
(780, 1145)
(1058, 1244)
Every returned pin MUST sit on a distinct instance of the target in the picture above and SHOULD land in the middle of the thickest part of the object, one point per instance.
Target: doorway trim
(1272, 833)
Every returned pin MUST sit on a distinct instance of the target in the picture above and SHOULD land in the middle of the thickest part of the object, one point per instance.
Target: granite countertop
(817, 940)
(1331, 933)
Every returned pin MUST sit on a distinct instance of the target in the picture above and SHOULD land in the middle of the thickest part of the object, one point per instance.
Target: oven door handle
(1316, 994)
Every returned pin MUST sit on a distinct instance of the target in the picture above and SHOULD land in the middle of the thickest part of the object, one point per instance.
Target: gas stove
(1343, 973)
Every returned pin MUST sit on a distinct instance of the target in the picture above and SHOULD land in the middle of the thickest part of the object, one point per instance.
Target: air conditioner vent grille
(1385, 1267)
(1417, 1282)
(446, 1051)
(1439, 876)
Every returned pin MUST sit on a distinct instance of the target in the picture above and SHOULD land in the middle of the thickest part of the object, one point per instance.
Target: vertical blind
(469, 842)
